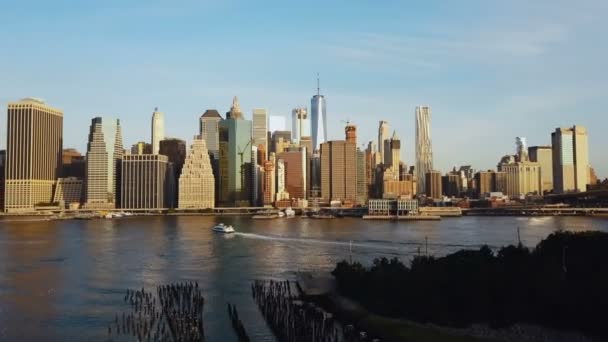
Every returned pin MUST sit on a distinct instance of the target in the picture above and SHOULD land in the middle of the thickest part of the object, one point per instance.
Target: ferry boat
(290, 212)
(222, 228)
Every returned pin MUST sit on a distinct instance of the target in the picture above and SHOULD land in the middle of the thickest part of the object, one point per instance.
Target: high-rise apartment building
(318, 116)
(383, 133)
(424, 150)
(300, 124)
(570, 159)
(146, 182)
(544, 156)
(196, 182)
(104, 152)
(209, 130)
(33, 153)
(339, 171)
(158, 130)
(235, 157)
(433, 184)
(260, 130)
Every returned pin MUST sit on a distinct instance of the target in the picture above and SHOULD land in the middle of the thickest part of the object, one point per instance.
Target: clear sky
(490, 70)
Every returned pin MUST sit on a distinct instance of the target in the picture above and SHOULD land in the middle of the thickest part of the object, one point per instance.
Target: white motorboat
(290, 212)
(222, 228)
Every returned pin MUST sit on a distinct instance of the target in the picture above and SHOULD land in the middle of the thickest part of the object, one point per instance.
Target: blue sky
(490, 70)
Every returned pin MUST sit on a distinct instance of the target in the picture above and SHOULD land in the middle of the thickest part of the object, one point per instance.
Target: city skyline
(492, 84)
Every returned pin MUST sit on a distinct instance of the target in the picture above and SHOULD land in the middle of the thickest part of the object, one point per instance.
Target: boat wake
(317, 241)
(403, 247)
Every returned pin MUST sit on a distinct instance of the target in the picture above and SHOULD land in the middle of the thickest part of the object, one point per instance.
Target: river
(65, 280)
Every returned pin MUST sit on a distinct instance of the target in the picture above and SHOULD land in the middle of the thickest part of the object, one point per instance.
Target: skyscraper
(282, 193)
(196, 183)
(318, 116)
(235, 135)
(260, 130)
(235, 110)
(209, 131)
(570, 159)
(175, 150)
(424, 151)
(544, 156)
(382, 136)
(74, 164)
(295, 173)
(97, 184)
(392, 153)
(158, 130)
(104, 152)
(361, 179)
(33, 153)
(269, 181)
(339, 171)
(146, 180)
(300, 123)
(433, 184)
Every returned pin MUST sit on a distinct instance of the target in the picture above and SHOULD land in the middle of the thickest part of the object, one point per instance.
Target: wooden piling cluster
(175, 313)
(290, 319)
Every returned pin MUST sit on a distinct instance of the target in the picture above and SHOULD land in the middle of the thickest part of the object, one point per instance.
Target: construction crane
(241, 152)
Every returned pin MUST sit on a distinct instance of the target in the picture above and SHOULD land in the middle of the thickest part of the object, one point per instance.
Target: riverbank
(558, 285)
(321, 289)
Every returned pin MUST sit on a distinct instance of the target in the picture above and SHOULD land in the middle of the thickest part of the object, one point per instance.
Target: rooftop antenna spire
(318, 87)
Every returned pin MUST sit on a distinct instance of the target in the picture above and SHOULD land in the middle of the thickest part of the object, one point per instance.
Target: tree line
(561, 283)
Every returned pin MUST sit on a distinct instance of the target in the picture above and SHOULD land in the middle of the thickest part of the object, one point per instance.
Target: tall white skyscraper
(382, 136)
(424, 150)
(259, 132)
(158, 130)
(318, 116)
(300, 124)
